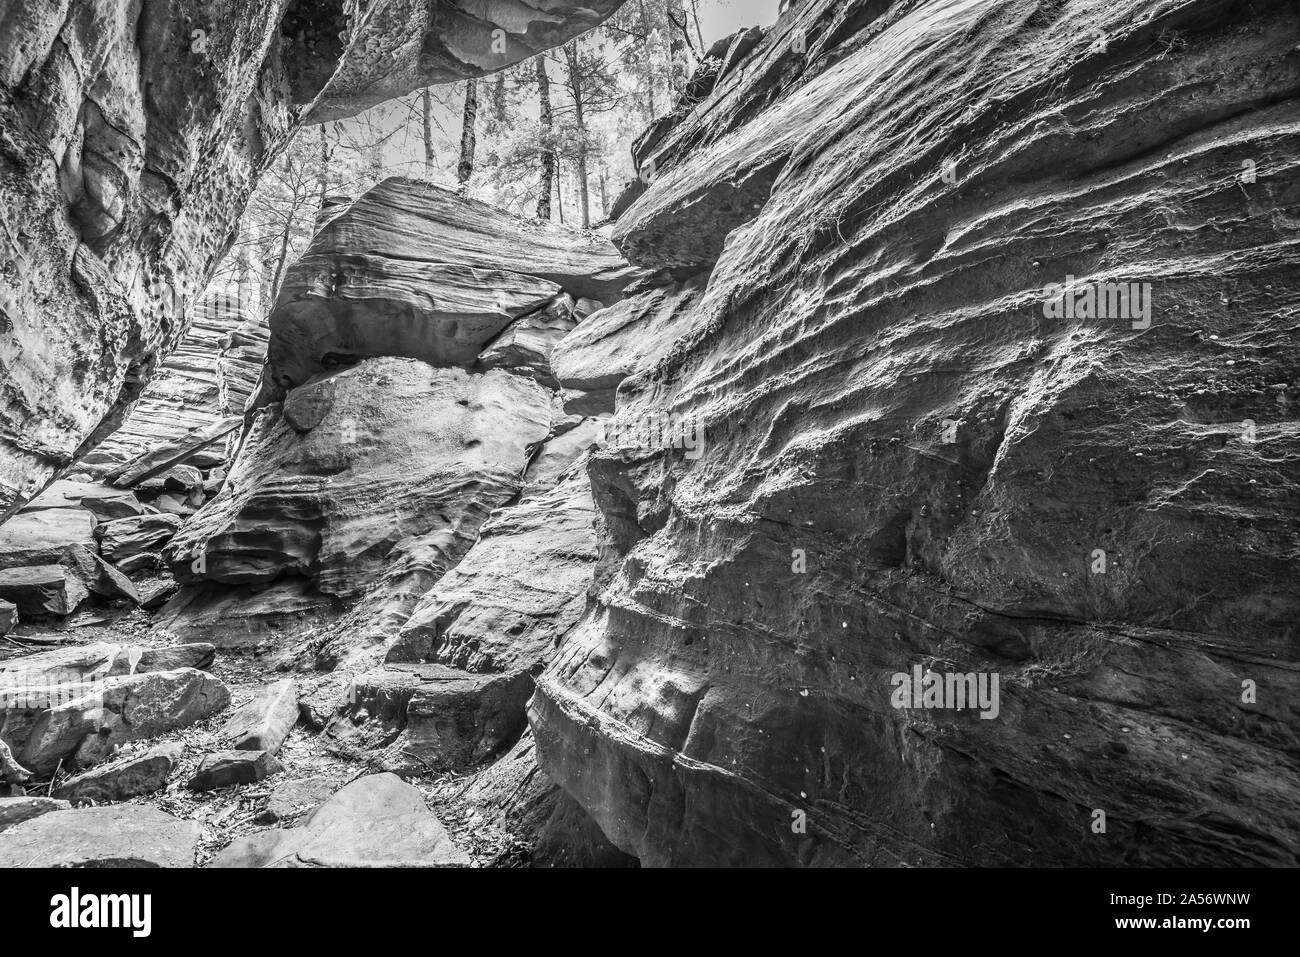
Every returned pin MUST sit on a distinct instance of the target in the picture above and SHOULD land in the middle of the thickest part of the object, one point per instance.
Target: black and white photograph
(582, 435)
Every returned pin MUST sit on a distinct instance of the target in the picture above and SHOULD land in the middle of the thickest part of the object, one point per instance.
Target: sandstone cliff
(910, 461)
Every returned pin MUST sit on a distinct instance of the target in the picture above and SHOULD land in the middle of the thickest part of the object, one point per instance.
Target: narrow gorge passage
(829, 433)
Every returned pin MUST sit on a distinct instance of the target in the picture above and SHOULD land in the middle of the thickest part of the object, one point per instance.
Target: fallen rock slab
(99, 577)
(15, 810)
(263, 723)
(427, 716)
(296, 798)
(123, 779)
(103, 660)
(8, 617)
(121, 709)
(124, 835)
(40, 538)
(104, 504)
(376, 821)
(128, 537)
(156, 595)
(42, 591)
(143, 562)
(225, 769)
(178, 478)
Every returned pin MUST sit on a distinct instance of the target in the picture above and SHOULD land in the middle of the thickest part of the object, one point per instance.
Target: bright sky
(718, 18)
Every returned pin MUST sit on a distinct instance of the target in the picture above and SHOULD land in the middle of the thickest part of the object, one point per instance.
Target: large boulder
(454, 690)
(99, 577)
(223, 769)
(520, 589)
(376, 821)
(411, 269)
(355, 464)
(918, 463)
(42, 537)
(124, 835)
(99, 660)
(128, 537)
(264, 721)
(112, 711)
(15, 810)
(416, 718)
(103, 503)
(42, 591)
(125, 778)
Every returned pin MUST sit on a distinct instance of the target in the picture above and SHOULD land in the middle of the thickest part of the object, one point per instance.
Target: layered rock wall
(918, 460)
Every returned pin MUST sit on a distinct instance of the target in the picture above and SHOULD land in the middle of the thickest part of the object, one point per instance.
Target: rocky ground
(310, 775)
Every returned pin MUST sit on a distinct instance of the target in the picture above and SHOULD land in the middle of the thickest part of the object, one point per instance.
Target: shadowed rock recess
(942, 346)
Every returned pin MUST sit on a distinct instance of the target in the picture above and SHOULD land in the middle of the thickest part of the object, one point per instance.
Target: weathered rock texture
(908, 462)
(124, 836)
(376, 821)
(133, 135)
(414, 270)
(354, 465)
(208, 378)
(123, 779)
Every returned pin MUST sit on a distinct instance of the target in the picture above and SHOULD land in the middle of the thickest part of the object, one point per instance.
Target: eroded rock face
(351, 466)
(208, 378)
(133, 137)
(910, 461)
(411, 269)
(615, 343)
(517, 593)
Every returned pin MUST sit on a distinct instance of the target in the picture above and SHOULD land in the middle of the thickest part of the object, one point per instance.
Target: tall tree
(547, 145)
(468, 135)
(577, 90)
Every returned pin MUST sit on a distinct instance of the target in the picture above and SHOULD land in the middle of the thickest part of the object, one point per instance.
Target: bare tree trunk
(652, 111)
(699, 32)
(559, 186)
(499, 97)
(604, 190)
(427, 98)
(279, 259)
(468, 138)
(323, 176)
(547, 150)
(574, 64)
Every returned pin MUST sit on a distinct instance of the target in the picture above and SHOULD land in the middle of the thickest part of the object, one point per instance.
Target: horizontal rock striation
(209, 378)
(916, 458)
(414, 270)
(351, 466)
